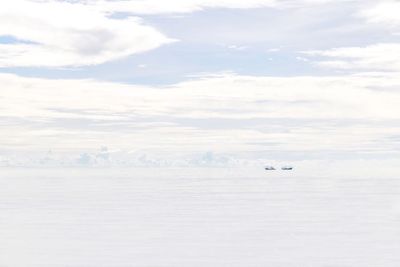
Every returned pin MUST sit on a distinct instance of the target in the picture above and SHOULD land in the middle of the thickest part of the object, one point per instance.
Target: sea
(199, 217)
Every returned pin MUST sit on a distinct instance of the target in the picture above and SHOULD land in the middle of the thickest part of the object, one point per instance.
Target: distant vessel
(269, 168)
(287, 168)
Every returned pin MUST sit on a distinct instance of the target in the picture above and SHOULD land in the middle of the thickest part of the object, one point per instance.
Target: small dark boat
(287, 168)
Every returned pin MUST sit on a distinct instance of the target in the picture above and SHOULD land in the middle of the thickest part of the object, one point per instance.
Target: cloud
(228, 113)
(381, 56)
(385, 12)
(377, 57)
(225, 96)
(220, 113)
(188, 6)
(51, 33)
(177, 6)
(56, 34)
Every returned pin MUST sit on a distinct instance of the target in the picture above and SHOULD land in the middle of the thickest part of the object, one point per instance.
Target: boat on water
(287, 168)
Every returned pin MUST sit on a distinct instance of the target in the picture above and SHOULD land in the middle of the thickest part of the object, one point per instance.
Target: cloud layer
(354, 114)
(55, 34)
(377, 57)
(227, 114)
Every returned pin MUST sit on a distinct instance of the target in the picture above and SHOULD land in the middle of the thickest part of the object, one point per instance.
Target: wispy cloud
(382, 12)
(202, 114)
(79, 33)
(248, 113)
(69, 34)
(177, 6)
(377, 57)
(188, 6)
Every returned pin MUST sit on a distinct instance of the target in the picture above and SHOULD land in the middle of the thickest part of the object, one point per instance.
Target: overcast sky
(284, 79)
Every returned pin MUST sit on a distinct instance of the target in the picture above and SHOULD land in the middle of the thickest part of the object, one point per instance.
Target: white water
(197, 217)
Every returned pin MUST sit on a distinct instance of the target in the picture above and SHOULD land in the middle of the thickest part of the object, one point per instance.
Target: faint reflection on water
(192, 218)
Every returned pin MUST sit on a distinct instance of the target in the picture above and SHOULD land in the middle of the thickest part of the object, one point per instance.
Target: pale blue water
(197, 217)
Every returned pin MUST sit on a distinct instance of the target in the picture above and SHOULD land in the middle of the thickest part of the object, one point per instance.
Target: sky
(198, 81)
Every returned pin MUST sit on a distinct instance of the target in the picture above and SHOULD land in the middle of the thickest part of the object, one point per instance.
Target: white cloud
(206, 112)
(55, 33)
(177, 6)
(378, 57)
(226, 96)
(65, 34)
(302, 59)
(237, 47)
(385, 12)
(187, 6)
(39, 114)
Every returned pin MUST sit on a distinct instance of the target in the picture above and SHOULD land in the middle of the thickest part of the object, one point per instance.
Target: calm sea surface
(197, 217)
